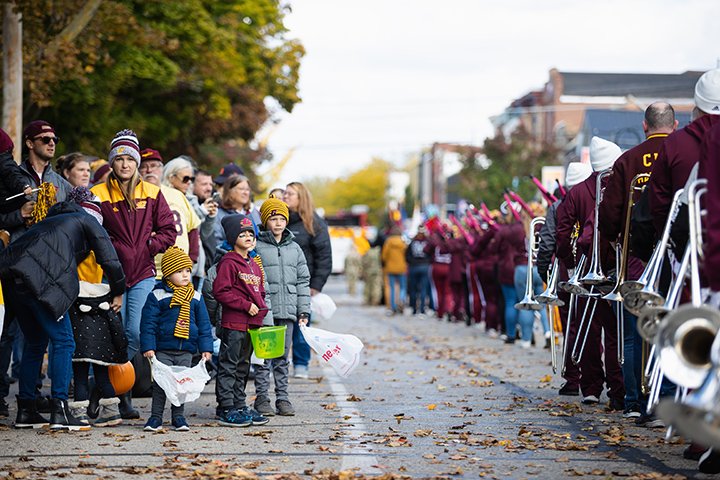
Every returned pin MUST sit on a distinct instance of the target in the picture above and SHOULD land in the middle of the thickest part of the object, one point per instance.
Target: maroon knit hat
(6, 143)
(37, 127)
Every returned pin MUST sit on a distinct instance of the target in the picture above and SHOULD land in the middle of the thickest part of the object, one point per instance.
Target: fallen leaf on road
(329, 406)
(432, 406)
(422, 433)
(546, 379)
(354, 398)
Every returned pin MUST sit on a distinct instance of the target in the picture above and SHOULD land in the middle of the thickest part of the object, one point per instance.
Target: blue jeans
(508, 292)
(133, 302)
(39, 328)
(632, 367)
(300, 348)
(527, 317)
(401, 280)
(418, 286)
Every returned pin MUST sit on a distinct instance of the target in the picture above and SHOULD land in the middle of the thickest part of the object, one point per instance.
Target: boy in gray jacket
(288, 278)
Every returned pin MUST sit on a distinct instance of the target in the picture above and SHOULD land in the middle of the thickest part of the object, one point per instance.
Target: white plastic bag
(322, 306)
(340, 351)
(180, 384)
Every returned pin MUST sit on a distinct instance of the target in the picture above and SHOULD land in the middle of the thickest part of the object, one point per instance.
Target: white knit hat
(603, 154)
(707, 92)
(576, 172)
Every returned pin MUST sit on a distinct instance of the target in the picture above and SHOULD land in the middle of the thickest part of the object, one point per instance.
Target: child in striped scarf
(174, 326)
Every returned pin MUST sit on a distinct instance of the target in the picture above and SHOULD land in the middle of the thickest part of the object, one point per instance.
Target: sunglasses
(47, 140)
(187, 179)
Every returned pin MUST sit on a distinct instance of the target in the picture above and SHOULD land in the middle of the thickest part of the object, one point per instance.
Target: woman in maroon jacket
(439, 273)
(140, 225)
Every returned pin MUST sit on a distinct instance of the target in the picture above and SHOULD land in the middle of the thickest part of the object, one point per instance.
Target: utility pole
(12, 77)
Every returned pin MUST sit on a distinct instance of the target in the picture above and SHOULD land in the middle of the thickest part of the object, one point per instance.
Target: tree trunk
(12, 77)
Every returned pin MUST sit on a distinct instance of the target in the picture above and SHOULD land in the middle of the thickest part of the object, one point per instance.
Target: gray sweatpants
(280, 368)
(168, 357)
(233, 368)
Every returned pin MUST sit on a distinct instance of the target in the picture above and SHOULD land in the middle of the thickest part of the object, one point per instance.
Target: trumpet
(641, 293)
(528, 302)
(615, 295)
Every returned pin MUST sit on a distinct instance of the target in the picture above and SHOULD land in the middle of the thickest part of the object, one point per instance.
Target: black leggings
(81, 370)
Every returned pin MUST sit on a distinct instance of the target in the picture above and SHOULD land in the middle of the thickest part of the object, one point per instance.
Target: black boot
(127, 412)
(94, 408)
(28, 416)
(61, 418)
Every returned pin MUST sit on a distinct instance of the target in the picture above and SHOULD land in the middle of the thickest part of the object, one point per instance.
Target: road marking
(365, 464)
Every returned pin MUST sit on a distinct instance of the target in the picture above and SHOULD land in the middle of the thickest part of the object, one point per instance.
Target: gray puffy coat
(287, 274)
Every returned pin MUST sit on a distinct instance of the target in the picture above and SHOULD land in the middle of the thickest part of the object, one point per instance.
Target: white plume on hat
(603, 154)
(707, 92)
(576, 172)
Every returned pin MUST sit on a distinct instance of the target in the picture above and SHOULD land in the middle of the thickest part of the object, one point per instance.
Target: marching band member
(578, 206)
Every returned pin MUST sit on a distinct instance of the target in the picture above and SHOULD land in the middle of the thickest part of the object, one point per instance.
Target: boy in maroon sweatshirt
(240, 287)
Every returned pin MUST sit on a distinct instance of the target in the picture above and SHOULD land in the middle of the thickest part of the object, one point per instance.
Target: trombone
(685, 336)
(528, 302)
(637, 294)
(615, 295)
(595, 276)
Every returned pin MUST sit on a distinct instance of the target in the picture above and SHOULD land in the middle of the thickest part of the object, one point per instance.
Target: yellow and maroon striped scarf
(182, 296)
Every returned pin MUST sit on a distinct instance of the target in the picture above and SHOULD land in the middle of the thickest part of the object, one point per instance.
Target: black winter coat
(45, 258)
(99, 334)
(317, 248)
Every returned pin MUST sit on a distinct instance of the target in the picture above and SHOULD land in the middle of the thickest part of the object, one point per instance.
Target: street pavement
(430, 399)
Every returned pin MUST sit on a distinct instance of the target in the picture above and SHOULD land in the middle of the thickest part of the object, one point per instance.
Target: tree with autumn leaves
(486, 172)
(184, 74)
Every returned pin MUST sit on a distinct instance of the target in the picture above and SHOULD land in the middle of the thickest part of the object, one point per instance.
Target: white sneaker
(301, 371)
(590, 399)
(492, 333)
(525, 343)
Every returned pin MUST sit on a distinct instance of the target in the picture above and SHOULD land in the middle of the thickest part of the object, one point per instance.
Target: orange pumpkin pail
(122, 377)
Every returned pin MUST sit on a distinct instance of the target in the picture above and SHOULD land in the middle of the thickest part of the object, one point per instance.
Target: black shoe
(61, 418)
(616, 405)
(569, 390)
(509, 340)
(694, 451)
(547, 343)
(4, 408)
(709, 462)
(468, 320)
(43, 404)
(127, 412)
(28, 416)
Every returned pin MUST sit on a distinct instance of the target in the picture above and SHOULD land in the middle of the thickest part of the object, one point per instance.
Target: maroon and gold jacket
(710, 169)
(671, 170)
(240, 283)
(137, 235)
(613, 208)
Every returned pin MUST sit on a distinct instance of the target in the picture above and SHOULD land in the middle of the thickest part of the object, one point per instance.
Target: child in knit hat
(240, 288)
(290, 299)
(174, 326)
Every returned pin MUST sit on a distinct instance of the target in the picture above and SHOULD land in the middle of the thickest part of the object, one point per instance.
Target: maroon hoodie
(511, 251)
(458, 248)
(613, 208)
(239, 283)
(579, 205)
(710, 169)
(671, 170)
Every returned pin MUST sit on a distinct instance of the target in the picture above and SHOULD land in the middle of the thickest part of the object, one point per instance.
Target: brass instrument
(595, 274)
(642, 293)
(615, 295)
(528, 302)
(685, 335)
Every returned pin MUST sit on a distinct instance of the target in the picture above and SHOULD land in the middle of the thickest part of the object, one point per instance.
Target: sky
(387, 78)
